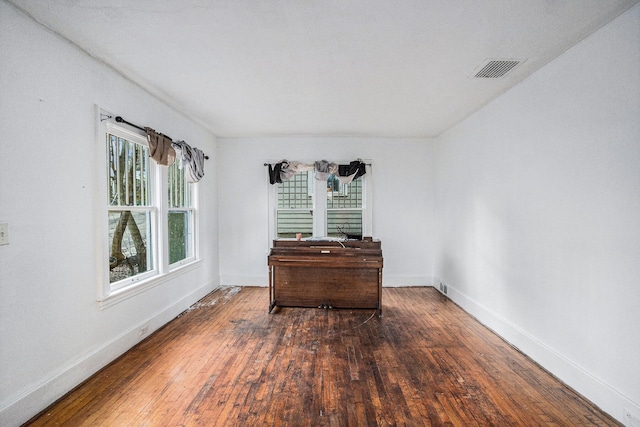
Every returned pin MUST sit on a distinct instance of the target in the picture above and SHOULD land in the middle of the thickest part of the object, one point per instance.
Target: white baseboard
(392, 281)
(31, 402)
(592, 388)
(237, 280)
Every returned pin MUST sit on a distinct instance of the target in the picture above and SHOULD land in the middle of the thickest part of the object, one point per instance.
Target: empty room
(320, 213)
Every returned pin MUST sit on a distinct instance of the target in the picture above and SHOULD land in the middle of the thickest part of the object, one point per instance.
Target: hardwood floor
(226, 361)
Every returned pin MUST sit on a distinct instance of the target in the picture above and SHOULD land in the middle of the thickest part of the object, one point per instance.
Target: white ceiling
(388, 68)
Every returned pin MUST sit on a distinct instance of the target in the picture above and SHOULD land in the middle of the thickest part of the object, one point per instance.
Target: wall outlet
(631, 418)
(144, 330)
(443, 288)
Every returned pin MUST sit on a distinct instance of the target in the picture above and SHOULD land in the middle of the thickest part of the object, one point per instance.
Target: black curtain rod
(121, 120)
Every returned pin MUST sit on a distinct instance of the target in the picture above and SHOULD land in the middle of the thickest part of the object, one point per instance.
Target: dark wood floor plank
(227, 361)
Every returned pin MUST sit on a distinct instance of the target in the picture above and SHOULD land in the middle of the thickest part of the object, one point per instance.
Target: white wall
(52, 332)
(402, 180)
(538, 198)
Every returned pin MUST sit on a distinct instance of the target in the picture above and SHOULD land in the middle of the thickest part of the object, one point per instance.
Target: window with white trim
(132, 210)
(298, 207)
(180, 218)
(151, 214)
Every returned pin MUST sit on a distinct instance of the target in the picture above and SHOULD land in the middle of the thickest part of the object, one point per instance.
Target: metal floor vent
(496, 68)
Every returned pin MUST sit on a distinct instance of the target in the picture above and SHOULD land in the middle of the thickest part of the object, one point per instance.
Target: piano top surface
(308, 249)
(317, 243)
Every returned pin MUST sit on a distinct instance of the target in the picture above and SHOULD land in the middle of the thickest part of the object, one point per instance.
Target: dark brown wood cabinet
(319, 273)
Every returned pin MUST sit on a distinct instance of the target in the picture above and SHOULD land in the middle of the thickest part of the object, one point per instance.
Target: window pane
(129, 234)
(291, 222)
(344, 208)
(128, 172)
(295, 193)
(178, 187)
(340, 196)
(295, 206)
(344, 223)
(179, 236)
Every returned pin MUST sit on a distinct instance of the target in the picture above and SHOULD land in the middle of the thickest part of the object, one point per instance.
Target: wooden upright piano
(326, 273)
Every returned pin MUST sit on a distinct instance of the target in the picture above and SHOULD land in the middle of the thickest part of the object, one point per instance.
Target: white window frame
(113, 293)
(320, 203)
(191, 210)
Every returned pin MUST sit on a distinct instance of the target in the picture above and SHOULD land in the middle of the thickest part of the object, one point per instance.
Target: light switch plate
(4, 234)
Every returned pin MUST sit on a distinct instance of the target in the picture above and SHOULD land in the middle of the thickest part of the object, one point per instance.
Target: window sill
(137, 288)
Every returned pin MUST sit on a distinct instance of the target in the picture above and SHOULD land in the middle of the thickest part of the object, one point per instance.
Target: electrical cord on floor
(350, 329)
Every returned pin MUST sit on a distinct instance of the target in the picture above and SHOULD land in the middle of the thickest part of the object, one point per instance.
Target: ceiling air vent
(496, 68)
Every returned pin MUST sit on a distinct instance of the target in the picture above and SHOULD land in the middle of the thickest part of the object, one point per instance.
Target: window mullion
(119, 157)
(134, 165)
(162, 197)
(320, 207)
(127, 183)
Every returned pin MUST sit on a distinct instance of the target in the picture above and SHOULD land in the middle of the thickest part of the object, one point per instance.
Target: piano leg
(272, 300)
